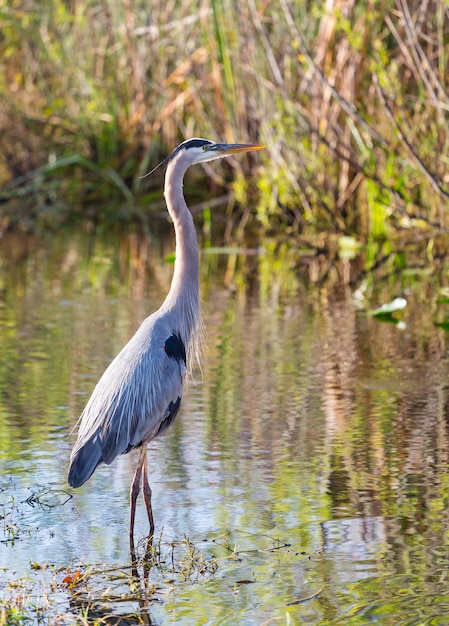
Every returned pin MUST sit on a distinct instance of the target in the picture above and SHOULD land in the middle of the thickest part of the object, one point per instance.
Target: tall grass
(349, 97)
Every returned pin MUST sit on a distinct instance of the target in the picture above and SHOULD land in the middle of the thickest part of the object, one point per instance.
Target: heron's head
(199, 150)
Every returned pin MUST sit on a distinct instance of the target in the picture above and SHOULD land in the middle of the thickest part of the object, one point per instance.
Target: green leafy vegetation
(350, 100)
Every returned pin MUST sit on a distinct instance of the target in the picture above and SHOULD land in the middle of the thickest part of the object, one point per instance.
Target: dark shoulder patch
(174, 348)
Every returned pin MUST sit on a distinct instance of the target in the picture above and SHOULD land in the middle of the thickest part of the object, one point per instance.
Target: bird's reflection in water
(146, 589)
(146, 561)
(139, 592)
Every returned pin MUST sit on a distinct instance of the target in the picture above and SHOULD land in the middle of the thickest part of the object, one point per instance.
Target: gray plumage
(131, 400)
(139, 394)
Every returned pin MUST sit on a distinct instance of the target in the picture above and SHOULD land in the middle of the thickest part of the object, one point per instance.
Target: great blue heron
(139, 394)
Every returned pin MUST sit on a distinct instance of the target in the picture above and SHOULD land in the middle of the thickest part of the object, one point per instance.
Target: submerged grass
(126, 593)
(162, 574)
(14, 512)
(349, 99)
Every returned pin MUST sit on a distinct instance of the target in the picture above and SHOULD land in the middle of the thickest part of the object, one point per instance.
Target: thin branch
(306, 598)
(415, 157)
(345, 105)
(266, 44)
(421, 60)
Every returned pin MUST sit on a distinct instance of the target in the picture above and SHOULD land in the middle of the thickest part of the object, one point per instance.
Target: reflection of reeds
(350, 99)
(309, 415)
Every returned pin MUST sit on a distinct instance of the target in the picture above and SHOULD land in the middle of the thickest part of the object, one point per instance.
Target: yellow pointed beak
(230, 148)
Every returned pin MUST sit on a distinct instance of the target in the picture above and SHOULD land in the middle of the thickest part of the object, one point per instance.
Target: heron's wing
(137, 397)
(147, 403)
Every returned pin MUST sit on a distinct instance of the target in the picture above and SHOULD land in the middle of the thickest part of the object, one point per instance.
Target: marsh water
(307, 470)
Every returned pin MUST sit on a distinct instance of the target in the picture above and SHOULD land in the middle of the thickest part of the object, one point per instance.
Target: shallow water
(309, 458)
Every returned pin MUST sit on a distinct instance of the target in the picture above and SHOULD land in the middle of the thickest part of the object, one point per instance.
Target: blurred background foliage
(350, 99)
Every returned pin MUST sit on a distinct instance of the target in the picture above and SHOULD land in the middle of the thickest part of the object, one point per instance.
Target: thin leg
(134, 492)
(147, 494)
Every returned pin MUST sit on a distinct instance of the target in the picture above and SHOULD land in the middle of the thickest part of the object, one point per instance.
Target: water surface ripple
(309, 460)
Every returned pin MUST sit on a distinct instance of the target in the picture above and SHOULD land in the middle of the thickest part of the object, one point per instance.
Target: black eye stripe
(190, 143)
(197, 143)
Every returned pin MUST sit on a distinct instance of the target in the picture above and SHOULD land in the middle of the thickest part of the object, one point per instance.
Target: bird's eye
(205, 147)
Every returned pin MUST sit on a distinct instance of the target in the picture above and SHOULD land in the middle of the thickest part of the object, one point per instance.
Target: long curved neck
(183, 297)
